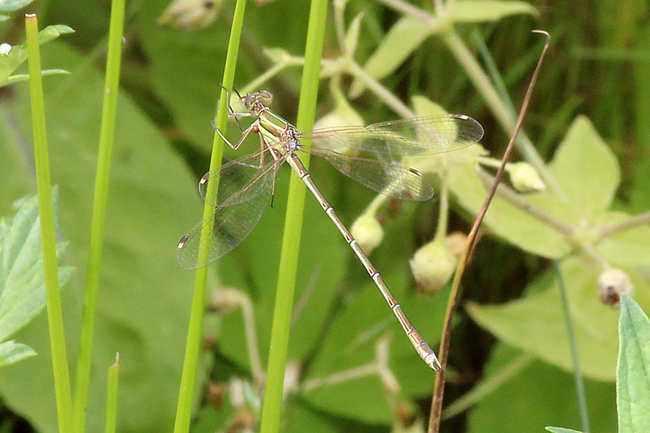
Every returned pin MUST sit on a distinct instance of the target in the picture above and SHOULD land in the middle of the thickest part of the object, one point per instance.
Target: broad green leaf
(12, 352)
(13, 5)
(21, 269)
(510, 222)
(629, 247)
(562, 430)
(144, 296)
(536, 323)
(633, 371)
(423, 107)
(537, 396)
(586, 169)
(402, 39)
(473, 11)
(18, 54)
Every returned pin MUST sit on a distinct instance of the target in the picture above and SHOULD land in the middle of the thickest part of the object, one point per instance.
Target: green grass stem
(46, 215)
(193, 345)
(272, 407)
(100, 201)
(111, 394)
(577, 371)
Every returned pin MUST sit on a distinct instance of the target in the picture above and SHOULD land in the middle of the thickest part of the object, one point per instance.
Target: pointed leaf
(562, 430)
(12, 352)
(144, 296)
(25, 77)
(21, 269)
(402, 39)
(13, 5)
(633, 371)
(472, 11)
(352, 36)
(586, 169)
(18, 53)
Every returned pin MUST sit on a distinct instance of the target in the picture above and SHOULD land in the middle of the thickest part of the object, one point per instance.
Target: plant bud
(456, 242)
(432, 266)
(225, 301)
(611, 283)
(190, 14)
(524, 177)
(368, 232)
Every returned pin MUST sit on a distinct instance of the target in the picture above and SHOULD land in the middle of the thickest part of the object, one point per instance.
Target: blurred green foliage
(596, 67)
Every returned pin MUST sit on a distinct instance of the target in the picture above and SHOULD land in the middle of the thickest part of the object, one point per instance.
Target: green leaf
(472, 11)
(144, 297)
(562, 430)
(629, 247)
(18, 54)
(352, 35)
(21, 269)
(586, 169)
(523, 398)
(12, 352)
(536, 323)
(633, 371)
(13, 5)
(24, 77)
(402, 39)
(510, 222)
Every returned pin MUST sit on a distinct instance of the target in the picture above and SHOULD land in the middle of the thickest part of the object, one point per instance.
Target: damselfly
(245, 185)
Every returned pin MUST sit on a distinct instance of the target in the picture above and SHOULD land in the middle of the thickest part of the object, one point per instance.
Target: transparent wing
(238, 180)
(417, 136)
(234, 217)
(391, 179)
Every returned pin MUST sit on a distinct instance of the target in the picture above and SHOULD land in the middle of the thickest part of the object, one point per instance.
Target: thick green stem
(111, 88)
(46, 216)
(193, 345)
(272, 407)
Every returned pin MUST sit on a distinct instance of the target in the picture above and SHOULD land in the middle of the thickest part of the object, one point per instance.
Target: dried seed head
(611, 283)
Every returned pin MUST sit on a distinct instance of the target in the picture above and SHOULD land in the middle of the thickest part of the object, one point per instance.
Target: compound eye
(265, 97)
(247, 101)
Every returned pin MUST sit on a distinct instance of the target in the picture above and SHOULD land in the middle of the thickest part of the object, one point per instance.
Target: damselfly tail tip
(435, 364)
(428, 356)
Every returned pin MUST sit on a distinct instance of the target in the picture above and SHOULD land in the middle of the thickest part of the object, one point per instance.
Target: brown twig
(438, 392)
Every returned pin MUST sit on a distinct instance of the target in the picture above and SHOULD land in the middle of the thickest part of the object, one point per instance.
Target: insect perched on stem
(245, 185)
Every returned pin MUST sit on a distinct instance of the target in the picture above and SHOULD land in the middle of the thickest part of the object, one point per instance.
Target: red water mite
(256, 129)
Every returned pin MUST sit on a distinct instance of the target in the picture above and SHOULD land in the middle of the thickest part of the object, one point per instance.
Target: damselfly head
(258, 101)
